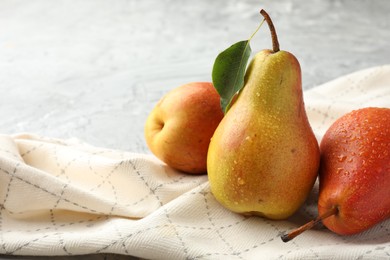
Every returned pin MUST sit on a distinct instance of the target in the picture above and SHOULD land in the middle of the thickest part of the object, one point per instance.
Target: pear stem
(275, 42)
(292, 234)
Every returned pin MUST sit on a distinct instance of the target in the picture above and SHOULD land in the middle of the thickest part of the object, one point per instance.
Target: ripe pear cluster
(262, 157)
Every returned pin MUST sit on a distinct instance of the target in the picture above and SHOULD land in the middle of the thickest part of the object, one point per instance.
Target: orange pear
(179, 128)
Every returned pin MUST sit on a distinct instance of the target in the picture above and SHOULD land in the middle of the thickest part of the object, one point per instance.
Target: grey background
(94, 69)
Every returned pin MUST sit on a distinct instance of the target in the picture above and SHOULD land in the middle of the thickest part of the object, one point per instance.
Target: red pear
(354, 192)
(355, 171)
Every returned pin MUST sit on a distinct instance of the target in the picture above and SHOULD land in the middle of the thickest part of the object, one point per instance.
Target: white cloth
(63, 197)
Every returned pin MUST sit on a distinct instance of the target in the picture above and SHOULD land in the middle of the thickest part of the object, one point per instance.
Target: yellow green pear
(263, 157)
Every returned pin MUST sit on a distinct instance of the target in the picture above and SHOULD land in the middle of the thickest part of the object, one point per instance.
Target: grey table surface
(93, 70)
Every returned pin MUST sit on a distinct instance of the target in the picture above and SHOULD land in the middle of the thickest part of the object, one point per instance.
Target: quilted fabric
(64, 197)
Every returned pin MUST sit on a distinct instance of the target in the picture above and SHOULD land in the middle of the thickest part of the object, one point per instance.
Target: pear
(179, 128)
(354, 192)
(263, 157)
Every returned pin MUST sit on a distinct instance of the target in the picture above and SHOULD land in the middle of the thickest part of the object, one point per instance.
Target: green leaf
(229, 71)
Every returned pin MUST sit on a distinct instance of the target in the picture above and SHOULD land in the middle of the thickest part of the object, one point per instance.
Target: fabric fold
(55, 175)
